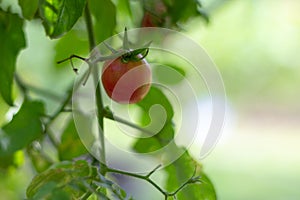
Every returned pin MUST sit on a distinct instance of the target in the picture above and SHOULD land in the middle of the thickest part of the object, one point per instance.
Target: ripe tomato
(126, 81)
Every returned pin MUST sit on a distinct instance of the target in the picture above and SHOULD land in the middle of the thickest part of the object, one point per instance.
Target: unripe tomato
(126, 81)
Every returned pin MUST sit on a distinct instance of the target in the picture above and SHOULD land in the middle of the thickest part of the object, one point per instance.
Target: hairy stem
(95, 72)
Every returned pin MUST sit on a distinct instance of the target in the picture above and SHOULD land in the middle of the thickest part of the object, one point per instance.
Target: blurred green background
(256, 46)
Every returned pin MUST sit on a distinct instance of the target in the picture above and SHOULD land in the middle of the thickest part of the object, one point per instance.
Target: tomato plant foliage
(12, 41)
(74, 173)
(59, 16)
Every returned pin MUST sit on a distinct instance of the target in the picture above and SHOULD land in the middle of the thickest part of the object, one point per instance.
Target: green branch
(93, 68)
(144, 177)
(56, 114)
(25, 88)
(109, 115)
(193, 179)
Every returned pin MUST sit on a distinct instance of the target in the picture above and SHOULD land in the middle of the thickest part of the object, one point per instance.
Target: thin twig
(154, 170)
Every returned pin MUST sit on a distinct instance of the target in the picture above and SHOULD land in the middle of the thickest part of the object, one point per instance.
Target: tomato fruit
(150, 20)
(155, 14)
(126, 81)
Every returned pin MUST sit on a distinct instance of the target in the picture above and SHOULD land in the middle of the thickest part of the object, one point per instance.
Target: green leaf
(71, 145)
(182, 170)
(13, 160)
(124, 7)
(68, 176)
(40, 161)
(3, 110)
(156, 97)
(59, 16)
(24, 128)
(50, 191)
(105, 13)
(6, 161)
(204, 190)
(12, 41)
(175, 74)
(183, 10)
(166, 133)
(71, 180)
(29, 8)
(159, 140)
(179, 11)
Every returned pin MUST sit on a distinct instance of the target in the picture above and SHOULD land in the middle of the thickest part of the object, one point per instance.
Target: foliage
(28, 118)
(12, 41)
(30, 126)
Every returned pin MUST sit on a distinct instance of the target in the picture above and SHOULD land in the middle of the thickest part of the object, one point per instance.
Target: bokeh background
(256, 46)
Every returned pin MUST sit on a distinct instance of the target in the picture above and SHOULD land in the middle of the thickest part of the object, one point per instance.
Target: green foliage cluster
(29, 127)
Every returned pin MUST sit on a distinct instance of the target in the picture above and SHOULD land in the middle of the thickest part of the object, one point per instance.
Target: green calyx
(135, 55)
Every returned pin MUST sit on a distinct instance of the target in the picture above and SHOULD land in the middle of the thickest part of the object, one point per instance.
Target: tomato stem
(110, 48)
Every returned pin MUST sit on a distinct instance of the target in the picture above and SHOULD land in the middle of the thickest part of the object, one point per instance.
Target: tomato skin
(126, 82)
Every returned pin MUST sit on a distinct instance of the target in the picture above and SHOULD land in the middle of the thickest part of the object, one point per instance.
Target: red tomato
(126, 82)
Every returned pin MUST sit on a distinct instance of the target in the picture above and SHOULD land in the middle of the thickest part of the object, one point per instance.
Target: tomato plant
(68, 170)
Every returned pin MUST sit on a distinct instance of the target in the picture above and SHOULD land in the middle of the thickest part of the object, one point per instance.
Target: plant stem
(89, 26)
(64, 104)
(191, 180)
(99, 102)
(25, 87)
(110, 116)
(55, 115)
(144, 177)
